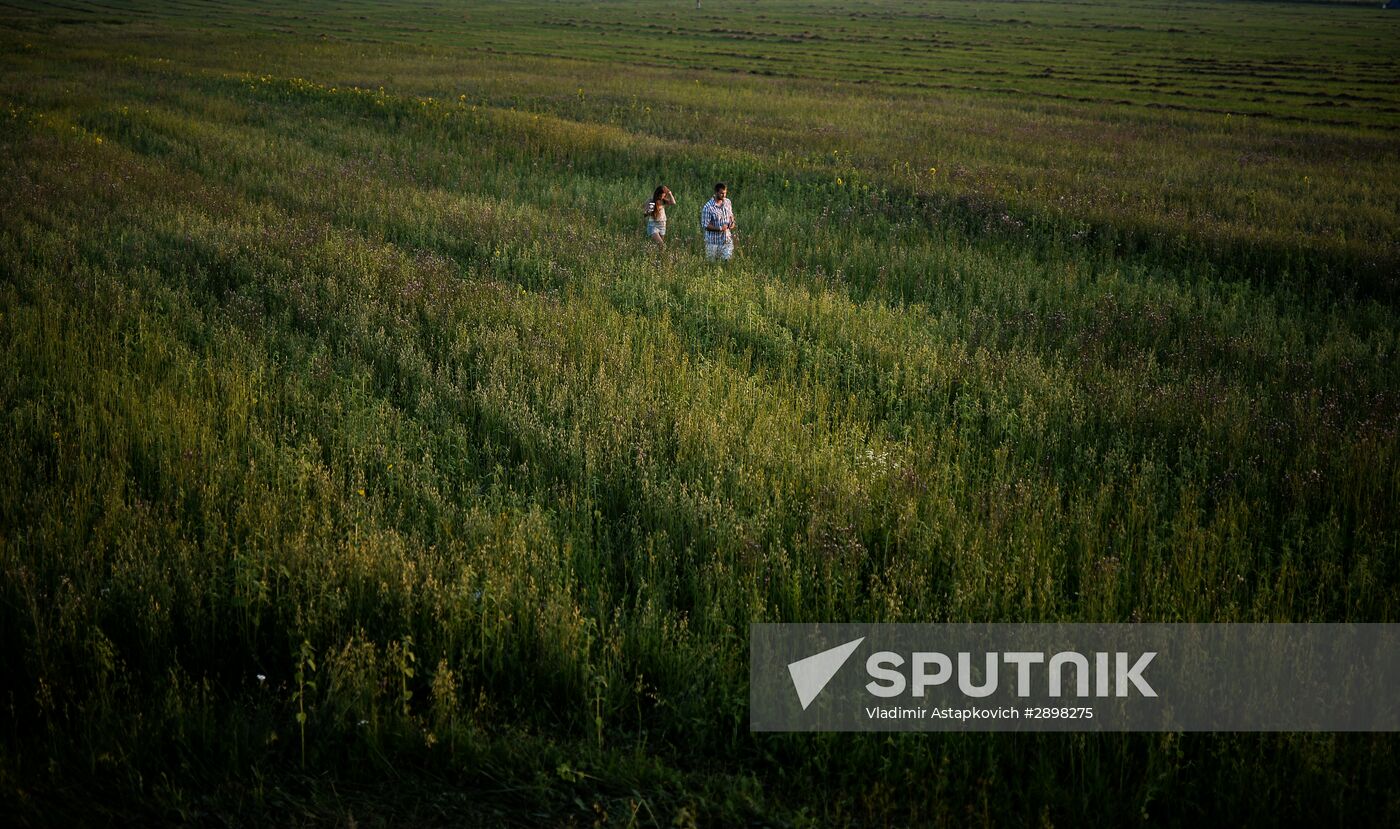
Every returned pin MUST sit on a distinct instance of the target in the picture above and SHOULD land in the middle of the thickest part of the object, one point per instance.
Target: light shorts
(654, 228)
(719, 250)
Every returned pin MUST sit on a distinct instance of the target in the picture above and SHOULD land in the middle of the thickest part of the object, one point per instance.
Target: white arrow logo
(810, 675)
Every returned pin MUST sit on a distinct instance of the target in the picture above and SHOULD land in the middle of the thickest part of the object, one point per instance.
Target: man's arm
(710, 219)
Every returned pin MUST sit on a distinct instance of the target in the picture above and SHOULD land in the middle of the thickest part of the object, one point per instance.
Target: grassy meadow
(361, 464)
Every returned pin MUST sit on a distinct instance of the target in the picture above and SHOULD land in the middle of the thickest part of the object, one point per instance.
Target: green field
(361, 464)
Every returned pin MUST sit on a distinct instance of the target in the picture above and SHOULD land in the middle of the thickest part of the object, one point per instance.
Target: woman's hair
(656, 199)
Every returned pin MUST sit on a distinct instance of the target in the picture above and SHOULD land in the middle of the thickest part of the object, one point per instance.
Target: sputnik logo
(810, 675)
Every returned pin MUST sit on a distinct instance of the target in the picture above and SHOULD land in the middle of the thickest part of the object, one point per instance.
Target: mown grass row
(1310, 62)
(350, 432)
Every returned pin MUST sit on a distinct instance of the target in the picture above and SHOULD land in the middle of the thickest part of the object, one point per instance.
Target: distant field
(1317, 62)
(359, 458)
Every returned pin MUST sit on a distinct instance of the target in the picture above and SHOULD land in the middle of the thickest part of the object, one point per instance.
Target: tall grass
(358, 453)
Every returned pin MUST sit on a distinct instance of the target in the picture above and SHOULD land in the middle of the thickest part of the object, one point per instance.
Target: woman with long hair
(656, 214)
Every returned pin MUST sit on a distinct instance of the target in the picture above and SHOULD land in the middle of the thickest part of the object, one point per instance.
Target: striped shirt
(719, 215)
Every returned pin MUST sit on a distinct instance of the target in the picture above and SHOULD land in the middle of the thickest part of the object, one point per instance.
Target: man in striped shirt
(717, 222)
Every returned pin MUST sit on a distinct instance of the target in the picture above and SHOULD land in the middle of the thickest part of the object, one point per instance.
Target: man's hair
(719, 185)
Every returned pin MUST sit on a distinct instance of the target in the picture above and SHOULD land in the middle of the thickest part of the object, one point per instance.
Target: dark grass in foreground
(360, 462)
